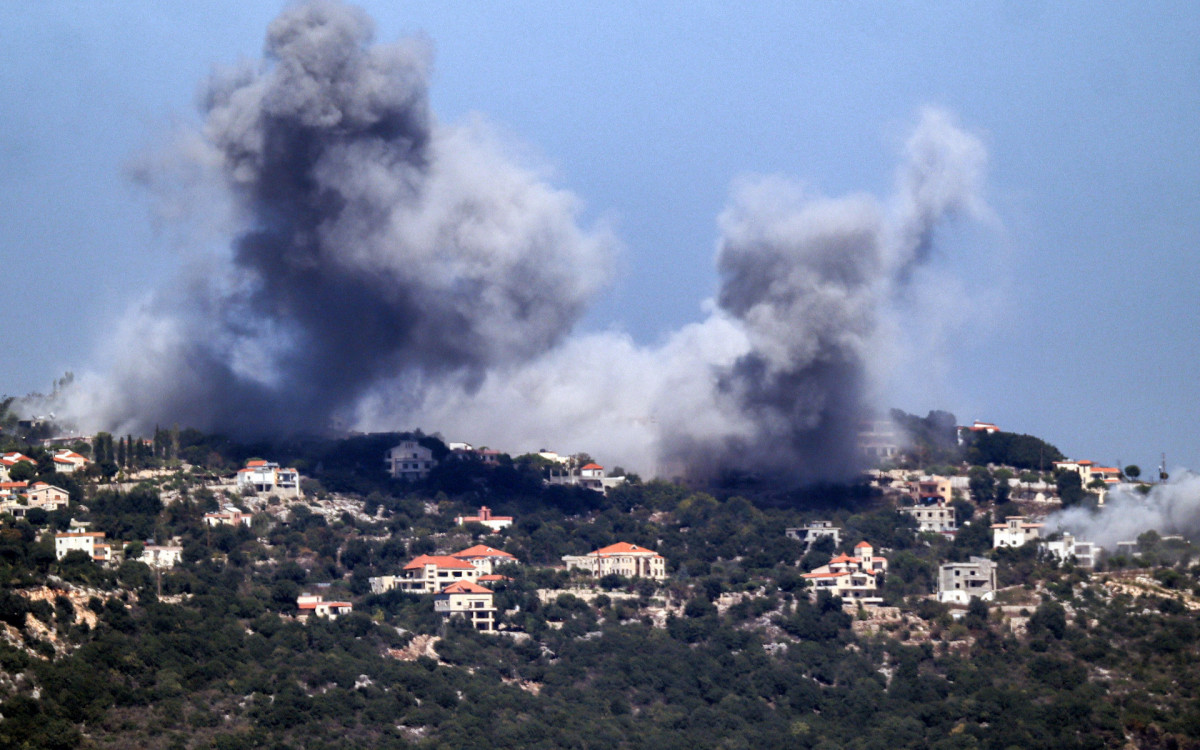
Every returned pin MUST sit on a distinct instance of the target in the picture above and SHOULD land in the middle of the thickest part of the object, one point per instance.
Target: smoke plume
(1170, 508)
(388, 271)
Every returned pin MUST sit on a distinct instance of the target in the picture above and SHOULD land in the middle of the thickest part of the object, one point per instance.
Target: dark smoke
(372, 244)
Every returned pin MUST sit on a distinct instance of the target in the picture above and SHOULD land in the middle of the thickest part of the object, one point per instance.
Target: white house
(959, 582)
(1014, 532)
(485, 517)
(90, 542)
(316, 605)
(810, 533)
(621, 558)
(162, 556)
(484, 558)
(427, 574)
(469, 600)
(409, 460)
(265, 476)
(68, 461)
(230, 516)
(1085, 553)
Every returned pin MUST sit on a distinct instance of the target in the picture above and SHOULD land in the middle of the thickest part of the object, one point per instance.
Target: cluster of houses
(93, 544)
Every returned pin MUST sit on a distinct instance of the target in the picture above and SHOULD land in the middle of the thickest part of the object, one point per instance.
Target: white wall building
(409, 460)
(470, 600)
(485, 559)
(1085, 553)
(309, 604)
(621, 558)
(810, 533)
(485, 517)
(265, 476)
(938, 518)
(427, 574)
(1014, 532)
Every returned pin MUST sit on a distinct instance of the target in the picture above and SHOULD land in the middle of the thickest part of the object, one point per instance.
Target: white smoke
(1169, 508)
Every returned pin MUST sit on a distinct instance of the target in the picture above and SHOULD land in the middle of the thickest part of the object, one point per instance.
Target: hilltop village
(395, 589)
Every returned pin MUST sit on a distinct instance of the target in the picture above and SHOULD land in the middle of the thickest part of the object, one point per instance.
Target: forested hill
(732, 650)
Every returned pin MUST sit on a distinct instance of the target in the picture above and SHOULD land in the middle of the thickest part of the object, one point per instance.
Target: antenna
(1162, 469)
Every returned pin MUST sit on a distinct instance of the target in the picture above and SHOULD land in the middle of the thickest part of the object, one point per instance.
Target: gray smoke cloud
(792, 356)
(388, 271)
(1170, 508)
(371, 244)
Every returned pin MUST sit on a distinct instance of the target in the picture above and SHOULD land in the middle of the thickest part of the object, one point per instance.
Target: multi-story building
(469, 600)
(810, 533)
(69, 462)
(162, 556)
(1068, 547)
(47, 497)
(265, 476)
(230, 516)
(959, 582)
(409, 460)
(1014, 532)
(90, 542)
(937, 517)
(621, 558)
(851, 576)
(427, 574)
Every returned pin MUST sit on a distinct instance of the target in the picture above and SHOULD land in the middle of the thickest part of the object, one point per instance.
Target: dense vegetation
(732, 651)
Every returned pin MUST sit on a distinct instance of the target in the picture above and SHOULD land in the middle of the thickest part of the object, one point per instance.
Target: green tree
(1133, 471)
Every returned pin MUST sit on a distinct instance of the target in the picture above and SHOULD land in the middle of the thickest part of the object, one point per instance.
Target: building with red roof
(469, 600)
(427, 574)
(309, 604)
(485, 558)
(621, 558)
(851, 576)
(485, 517)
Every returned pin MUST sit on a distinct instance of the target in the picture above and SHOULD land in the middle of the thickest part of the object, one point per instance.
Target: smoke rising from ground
(1171, 508)
(388, 271)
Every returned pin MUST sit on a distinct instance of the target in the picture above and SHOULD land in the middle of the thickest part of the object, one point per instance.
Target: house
(814, 531)
(230, 516)
(68, 461)
(427, 574)
(1014, 532)
(1085, 553)
(938, 517)
(851, 576)
(878, 439)
(931, 489)
(162, 556)
(90, 542)
(985, 427)
(959, 582)
(409, 460)
(309, 604)
(47, 497)
(485, 517)
(10, 460)
(265, 476)
(485, 558)
(465, 452)
(469, 600)
(621, 558)
(590, 475)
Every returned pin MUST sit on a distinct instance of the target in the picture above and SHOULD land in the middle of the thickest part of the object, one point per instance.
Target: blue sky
(1078, 318)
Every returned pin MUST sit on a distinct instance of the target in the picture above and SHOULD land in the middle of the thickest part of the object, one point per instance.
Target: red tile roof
(623, 548)
(441, 561)
(465, 587)
(482, 550)
(860, 545)
(592, 466)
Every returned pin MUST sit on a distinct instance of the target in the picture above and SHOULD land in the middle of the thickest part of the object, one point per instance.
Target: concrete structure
(878, 439)
(1085, 553)
(469, 600)
(590, 476)
(485, 559)
(621, 558)
(810, 533)
(265, 476)
(229, 516)
(427, 574)
(938, 517)
(162, 556)
(316, 605)
(958, 582)
(931, 489)
(47, 497)
(485, 517)
(851, 576)
(1014, 532)
(90, 542)
(409, 461)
